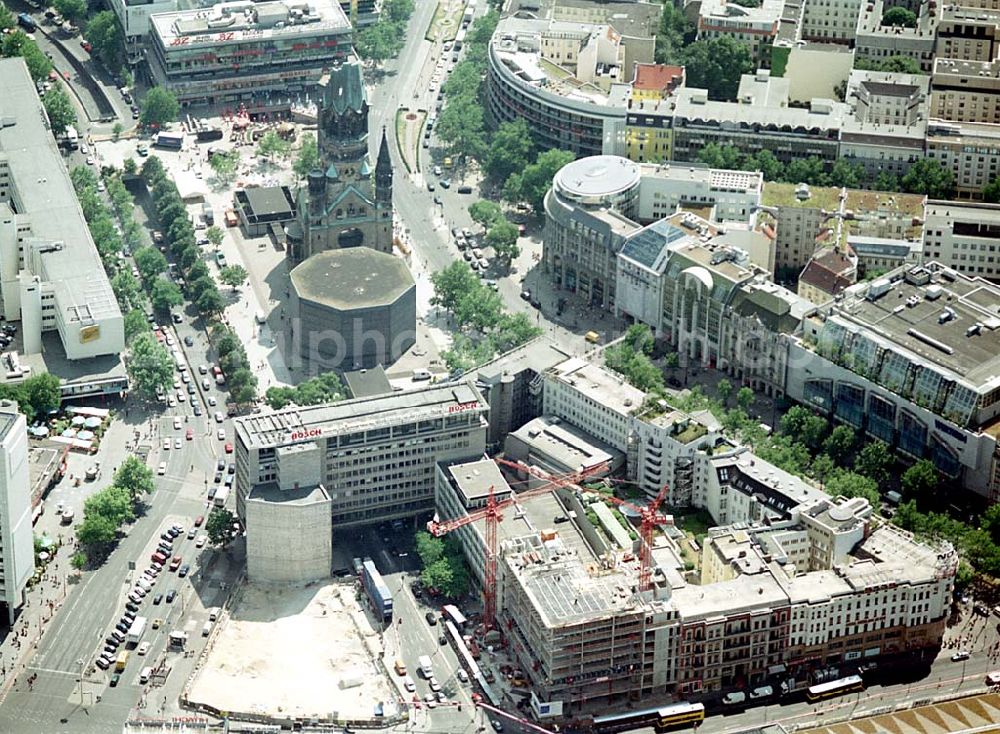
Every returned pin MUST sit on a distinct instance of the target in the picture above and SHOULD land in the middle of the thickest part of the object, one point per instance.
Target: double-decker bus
(664, 718)
(838, 687)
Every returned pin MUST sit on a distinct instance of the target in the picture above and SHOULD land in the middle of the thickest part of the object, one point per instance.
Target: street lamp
(80, 662)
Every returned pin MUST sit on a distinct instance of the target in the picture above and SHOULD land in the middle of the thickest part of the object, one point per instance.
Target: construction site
(598, 613)
(305, 651)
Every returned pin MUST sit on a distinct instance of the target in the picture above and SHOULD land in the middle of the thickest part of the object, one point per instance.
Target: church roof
(332, 173)
(345, 88)
(365, 169)
(341, 195)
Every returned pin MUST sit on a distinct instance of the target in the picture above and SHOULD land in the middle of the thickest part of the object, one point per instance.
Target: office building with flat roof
(374, 456)
(911, 359)
(17, 551)
(51, 276)
(963, 90)
(244, 51)
(964, 236)
(970, 150)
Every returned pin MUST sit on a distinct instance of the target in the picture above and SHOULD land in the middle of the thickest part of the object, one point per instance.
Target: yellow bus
(121, 661)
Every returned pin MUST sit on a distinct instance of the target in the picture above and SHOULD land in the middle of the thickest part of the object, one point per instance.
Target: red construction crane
(492, 514)
(649, 515)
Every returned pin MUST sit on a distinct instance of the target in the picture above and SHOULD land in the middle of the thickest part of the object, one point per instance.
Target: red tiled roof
(823, 279)
(654, 77)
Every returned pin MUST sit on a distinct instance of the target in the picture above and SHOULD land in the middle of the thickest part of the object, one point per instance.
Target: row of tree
(324, 388)
(926, 176)
(501, 233)
(105, 512)
(483, 327)
(240, 379)
(443, 562)
(385, 38)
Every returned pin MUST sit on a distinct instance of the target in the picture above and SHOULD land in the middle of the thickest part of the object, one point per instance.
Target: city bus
(838, 687)
(664, 718)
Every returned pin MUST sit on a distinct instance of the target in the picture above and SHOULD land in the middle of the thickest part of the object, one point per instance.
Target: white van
(731, 699)
(260, 318)
(206, 628)
(213, 613)
(145, 674)
(421, 374)
(424, 662)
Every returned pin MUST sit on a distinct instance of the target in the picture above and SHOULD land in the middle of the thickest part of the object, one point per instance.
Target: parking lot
(294, 651)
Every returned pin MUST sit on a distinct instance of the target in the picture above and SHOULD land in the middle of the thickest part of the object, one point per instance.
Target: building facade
(375, 456)
(17, 551)
(346, 202)
(963, 236)
(966, 91)
(242, 51)
(922, 377)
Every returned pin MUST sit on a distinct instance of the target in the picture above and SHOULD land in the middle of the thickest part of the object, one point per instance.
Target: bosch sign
(305, 433)
(463, 406)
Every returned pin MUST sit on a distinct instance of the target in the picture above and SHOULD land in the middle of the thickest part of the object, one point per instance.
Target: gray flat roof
(266, 200)
(598, 175)
(359, 277)
(280, 427)
(367, 383)
(566, 444)
(474, 479)
(272, 494)
(537, 355)
(974, 359)
(42, 189)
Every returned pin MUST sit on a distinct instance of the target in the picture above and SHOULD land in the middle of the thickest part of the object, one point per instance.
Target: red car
(175, 563)
(85, 45)
(158, 558)
(199, 520)
(229, 448)
(190, 434)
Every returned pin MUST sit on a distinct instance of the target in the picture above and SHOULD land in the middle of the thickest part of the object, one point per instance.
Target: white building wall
(288, 542)
(16, 544)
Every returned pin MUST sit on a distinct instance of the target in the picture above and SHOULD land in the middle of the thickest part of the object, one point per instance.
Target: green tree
(135, 324)
(59, 109)
(225, 166)
(96, 531)
(17, 43)
(895, 64)
(244, 394)
(839, 444)
(379, 41)
(874, 460)
(149, 366)
(7, 19)
(716, 65)
(920, 480)
(485, 213)
(214, 235)
(927, 176)
(152, 170)
(160, 108)
(849, 484)
(165, 295)
(714, 155)
(116, 132)
(278, 397)
(533, 183)
(135, 477)
(451, 284)
(113, 503)
(502, 237)
(127, 290)
(744, 399)
(511, 149)
(460, 126)
(233, 276)
(822, 467)
(674, 32)
(150, 262)
(845, 174)
(802, 425)
(724, 389)
(240, 380)
(219, 527)
(70, 9)
(429, 548)
(106, 39)
(210, 302)
(991, 191)
(39, 395)
(806, 170)
(766, 162)
(886, 181)
(272, 145)
(899, 17)
(308, 157)
(324, 388)
(630, 358)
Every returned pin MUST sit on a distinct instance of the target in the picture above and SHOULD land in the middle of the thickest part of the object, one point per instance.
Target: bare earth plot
(294, 651)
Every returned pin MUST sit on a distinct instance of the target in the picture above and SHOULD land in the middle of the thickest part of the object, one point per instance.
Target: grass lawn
(697, 523)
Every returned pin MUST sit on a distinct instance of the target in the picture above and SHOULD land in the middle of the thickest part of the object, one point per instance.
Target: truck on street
(221, 496)
(378, 592)
(136, 630)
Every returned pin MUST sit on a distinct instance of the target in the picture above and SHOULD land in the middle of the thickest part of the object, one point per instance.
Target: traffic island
(409, 124)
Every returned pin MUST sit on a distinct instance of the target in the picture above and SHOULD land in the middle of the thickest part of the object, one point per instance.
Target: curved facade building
(589, 211)
(578, 107)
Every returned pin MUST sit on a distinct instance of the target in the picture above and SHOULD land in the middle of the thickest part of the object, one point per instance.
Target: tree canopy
(59, 109)
(149, 366)
(630, 358)
(531, 184)
(159, 108)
